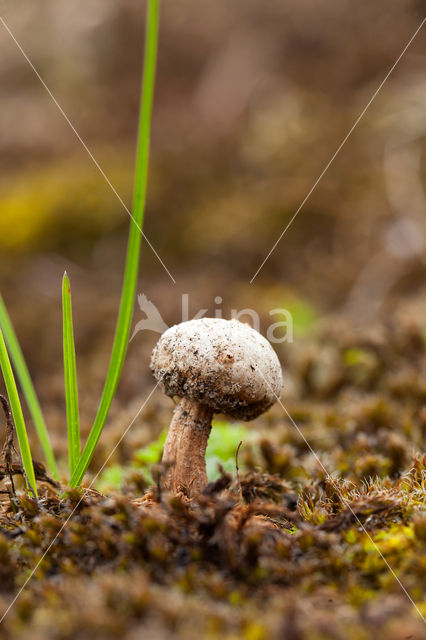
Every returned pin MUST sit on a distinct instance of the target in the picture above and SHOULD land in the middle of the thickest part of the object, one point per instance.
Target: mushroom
(214, 366)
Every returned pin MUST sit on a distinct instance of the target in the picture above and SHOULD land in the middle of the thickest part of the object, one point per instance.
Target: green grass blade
(18, 417)
(122, 332)
(27, 386)
(70, 375)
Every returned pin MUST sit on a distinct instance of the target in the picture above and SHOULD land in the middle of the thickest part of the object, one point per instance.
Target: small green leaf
(111, 479)
(151, 454)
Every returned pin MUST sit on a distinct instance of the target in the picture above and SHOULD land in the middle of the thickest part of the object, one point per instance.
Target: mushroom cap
(224, 364)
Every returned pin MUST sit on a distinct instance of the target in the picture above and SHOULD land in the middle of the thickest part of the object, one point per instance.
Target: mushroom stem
(185, 447)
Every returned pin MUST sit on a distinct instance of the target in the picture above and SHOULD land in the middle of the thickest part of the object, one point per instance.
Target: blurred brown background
(252, 100)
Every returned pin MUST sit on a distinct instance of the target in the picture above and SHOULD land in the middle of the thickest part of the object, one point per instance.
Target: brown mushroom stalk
(185, 447)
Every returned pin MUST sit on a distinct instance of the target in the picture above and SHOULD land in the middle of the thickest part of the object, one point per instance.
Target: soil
(281, 550)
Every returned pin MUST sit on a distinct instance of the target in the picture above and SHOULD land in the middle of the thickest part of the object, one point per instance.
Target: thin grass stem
(122, 332)
(18, 417)
(70, 377)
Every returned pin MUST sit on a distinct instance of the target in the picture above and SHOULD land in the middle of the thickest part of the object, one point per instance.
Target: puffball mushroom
(214, 366)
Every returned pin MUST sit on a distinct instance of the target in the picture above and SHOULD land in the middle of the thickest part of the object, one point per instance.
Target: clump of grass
(18, 417)
(27, 387)
(79, 462)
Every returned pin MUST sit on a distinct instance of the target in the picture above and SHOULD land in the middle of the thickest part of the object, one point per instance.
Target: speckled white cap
(224, 364)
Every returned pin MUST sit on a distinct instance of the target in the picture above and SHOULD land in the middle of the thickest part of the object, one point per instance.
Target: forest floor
(322, 535)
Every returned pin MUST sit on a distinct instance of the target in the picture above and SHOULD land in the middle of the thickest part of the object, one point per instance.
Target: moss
(298, 541)
(58, 202)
